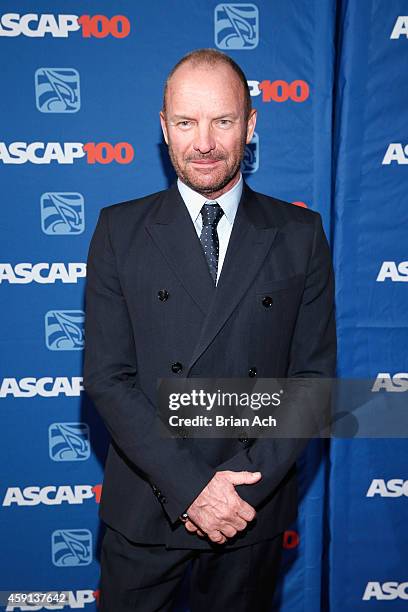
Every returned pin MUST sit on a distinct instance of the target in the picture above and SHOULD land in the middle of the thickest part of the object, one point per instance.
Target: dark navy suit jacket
(133, 338)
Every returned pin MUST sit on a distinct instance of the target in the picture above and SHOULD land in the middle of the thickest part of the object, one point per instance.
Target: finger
(239, 524)
(234, 520)
(236, 513)
(228, 531)
(244, 510)
(217, 537)
(190, 526)
(242, 477)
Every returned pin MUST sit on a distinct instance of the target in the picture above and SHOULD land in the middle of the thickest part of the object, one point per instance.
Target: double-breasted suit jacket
(153, 311)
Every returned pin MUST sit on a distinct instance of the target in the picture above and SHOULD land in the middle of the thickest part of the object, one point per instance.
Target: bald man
(205, 279)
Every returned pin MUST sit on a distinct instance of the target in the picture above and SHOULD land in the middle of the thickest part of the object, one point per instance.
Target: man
(205, 279)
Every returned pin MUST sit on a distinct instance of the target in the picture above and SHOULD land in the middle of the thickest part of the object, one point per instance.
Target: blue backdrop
(81, 91)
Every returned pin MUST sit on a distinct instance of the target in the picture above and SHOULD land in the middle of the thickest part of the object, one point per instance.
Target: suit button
(243, 440)
(163, 295)
(176, 367)
(163, 499)
(252, 372)
(267, 301)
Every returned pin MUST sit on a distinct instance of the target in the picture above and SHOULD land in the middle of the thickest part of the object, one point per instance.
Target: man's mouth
(205, 162)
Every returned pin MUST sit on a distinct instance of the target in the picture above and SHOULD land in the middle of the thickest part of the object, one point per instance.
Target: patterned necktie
(211, 213)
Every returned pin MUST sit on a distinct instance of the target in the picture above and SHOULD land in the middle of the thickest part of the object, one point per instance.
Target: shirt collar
(228, 201)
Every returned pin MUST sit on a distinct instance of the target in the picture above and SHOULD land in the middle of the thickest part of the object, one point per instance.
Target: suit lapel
(251, 238)
(174, 234)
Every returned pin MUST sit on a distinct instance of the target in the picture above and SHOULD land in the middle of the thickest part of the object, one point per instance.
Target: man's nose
(204, 140)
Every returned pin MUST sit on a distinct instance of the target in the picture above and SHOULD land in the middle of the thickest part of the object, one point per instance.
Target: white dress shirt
(229, 203)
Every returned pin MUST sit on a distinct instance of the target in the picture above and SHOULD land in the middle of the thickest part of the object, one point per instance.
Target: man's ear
(164, 127)
(251, 124)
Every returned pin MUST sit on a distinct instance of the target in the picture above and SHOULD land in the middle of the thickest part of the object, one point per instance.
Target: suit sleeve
(111, 381)
(312, 355)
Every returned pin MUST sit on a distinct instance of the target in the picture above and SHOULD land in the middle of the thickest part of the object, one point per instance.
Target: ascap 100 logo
(46, 386)
(279, 90)
(393, 271)
(51, 495)
(386, 591)
(395, 487)
(64, 330)
(69, 442)
(400, 27)
(291, 539)
(43, 273)
(66, 152)
(71, 547)
(396, 153)
(37, 25)
(397, 383)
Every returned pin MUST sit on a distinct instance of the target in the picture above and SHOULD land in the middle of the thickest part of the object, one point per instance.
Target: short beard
(211, 188)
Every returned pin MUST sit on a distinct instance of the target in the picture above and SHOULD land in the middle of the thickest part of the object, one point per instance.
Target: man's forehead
(189, 78)
(190, 72)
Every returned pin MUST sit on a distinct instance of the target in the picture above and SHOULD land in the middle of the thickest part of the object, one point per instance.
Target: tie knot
(211, 213)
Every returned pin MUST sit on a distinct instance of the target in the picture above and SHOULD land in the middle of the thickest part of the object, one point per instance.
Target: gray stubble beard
(213, 188)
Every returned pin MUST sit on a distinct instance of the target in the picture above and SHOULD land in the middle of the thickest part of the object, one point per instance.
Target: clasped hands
(218, 511)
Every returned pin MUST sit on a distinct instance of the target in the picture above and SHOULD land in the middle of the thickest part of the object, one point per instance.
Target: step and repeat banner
(369, 477)
(82, 88)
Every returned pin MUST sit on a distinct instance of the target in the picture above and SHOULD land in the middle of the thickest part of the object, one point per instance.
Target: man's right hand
(218, 510)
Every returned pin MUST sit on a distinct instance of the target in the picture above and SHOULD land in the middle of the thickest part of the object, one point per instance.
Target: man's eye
(184, 123)
(224, 122)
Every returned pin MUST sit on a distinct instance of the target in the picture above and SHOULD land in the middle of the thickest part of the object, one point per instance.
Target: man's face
(205, 127)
